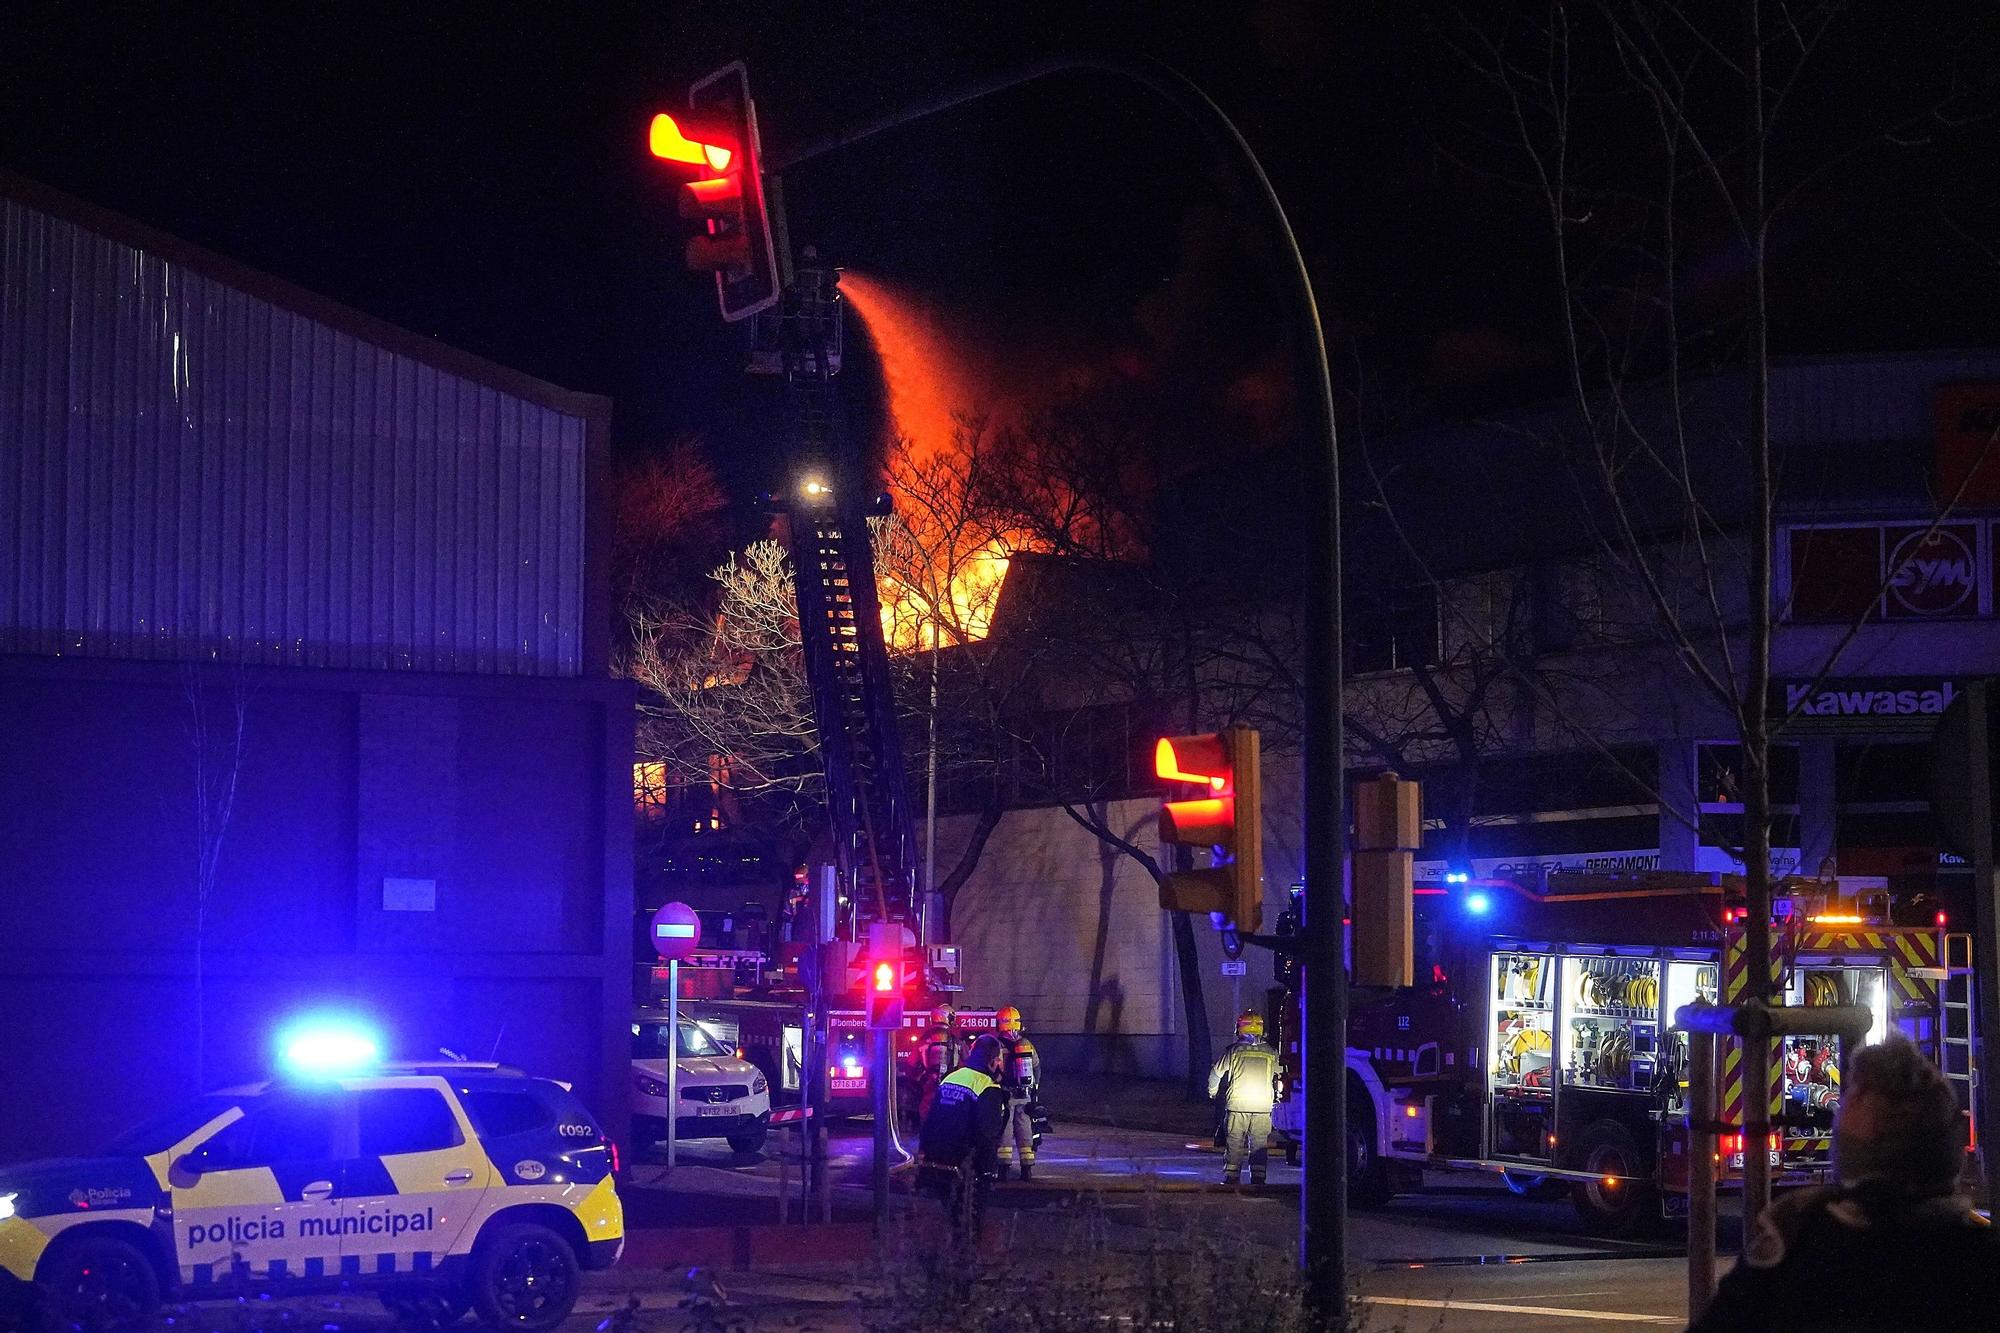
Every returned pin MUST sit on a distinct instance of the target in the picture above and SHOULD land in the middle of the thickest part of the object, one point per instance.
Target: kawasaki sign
(1873, 702)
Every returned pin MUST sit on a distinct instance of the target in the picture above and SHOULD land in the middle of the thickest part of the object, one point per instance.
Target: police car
(721, 1096)
(441, 1187)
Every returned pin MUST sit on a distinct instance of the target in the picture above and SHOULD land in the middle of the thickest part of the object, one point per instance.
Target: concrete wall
(123, 991)
(1069, 930)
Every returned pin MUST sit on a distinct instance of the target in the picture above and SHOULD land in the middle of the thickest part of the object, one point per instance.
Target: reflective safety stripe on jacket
(1247, 1076)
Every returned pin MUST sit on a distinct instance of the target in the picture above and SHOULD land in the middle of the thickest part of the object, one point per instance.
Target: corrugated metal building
(303, 636)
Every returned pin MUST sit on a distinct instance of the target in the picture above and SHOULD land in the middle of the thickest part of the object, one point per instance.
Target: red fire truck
(744, 1000)
(1538, 1042)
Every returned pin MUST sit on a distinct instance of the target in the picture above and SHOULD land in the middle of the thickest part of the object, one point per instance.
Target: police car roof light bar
(328, 1046)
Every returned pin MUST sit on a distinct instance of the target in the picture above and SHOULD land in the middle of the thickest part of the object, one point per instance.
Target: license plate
(849, 1084)
(716, 1110)
(1736, 1159)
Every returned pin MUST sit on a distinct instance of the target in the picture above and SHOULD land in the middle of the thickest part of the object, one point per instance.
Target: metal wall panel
(1867, 399)
(190, 471)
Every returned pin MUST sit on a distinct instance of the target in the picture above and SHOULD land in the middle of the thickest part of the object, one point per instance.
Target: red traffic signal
(720, 139)
(1227, 819)
(885, 994)
(670, 141)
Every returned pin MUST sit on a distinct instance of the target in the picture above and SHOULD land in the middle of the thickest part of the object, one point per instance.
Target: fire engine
(1538, 1042)
(746, 1000)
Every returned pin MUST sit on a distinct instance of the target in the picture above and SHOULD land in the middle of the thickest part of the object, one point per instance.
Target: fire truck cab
(1539, 1041)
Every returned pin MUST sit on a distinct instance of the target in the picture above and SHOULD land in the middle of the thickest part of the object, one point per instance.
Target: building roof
(289, 296)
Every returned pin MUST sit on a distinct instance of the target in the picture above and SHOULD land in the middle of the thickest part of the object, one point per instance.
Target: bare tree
(1660, 141)
(727, 703)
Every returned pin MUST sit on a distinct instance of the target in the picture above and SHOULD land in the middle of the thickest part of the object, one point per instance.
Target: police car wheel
(524, 1276)
(749, 1141)
(102, 1281)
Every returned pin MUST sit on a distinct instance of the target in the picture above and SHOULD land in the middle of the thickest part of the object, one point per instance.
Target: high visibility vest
(968, 1078)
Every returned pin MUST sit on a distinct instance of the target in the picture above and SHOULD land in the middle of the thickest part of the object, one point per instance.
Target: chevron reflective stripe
(1735, 974)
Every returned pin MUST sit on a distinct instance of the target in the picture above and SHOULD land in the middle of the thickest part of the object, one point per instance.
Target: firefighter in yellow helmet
(1021, 1077)
(1245, 1080)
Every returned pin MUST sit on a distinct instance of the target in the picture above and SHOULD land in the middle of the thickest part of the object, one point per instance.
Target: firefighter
(937, 1058)
(1245, 1081)
(1893, 1245)
(958, 1146)
(1021, 1076)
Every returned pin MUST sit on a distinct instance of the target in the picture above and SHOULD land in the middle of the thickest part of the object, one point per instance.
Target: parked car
(722, 1096)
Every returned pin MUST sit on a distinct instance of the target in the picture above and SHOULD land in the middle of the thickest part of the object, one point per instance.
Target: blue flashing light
(1456, 877)
(325, 1046)
(1478, 903)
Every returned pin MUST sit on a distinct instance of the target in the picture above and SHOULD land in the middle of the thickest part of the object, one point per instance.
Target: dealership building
(1587, 745)
(308, 710)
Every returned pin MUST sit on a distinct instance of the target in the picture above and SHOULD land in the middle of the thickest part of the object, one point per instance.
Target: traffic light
(719, 139)
(1228, 818)
(885, 994)
(1388, 829)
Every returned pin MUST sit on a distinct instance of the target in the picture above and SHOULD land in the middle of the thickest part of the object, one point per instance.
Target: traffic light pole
(1980, 703)
(1323, 1199)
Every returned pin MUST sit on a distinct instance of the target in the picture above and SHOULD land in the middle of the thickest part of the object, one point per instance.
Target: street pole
(927, 928)
(1323, 951)
(882, 1083)
(1701, 1138)
(817, 1090)
(673, 1055)
(1979, 705)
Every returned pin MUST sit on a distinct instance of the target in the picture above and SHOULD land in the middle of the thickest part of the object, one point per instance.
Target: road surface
(1466, 1254)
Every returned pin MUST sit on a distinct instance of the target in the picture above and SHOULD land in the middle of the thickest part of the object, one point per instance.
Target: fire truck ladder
(840, 629)
(1956, 1023)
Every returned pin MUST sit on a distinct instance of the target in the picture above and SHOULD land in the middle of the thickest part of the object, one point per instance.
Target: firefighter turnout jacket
(1246, 1077)
(964, 1123)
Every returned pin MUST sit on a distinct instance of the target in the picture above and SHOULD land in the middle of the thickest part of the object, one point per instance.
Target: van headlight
(758, 1085)
(650, 1087)
(7, 1202)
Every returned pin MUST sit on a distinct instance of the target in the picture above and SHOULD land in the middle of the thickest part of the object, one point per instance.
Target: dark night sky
(477, 172)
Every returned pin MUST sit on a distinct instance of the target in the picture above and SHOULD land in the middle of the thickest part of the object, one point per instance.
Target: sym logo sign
(1934, 574)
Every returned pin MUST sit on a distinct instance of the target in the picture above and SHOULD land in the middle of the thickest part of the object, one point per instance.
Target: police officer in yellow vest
(1021, 1076)
(1246, 1081)
(957, 1147)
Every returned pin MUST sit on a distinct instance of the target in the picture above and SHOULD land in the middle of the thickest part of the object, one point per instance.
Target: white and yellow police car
(443, 1186)
(721, 1095)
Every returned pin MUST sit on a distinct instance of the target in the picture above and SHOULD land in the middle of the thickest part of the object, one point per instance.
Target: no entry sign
(676, 932)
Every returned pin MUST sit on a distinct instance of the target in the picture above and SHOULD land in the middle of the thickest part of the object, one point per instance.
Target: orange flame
(929, 382)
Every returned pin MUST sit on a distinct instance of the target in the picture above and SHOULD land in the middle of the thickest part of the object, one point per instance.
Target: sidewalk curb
(750, 1246)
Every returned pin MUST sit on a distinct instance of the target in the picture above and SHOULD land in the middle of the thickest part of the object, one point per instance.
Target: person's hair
(1920, 1140)
(985, 1050)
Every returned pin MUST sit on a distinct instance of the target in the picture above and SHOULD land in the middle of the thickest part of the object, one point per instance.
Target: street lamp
(1323, 1198)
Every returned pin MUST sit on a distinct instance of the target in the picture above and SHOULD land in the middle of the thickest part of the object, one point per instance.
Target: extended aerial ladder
(840, 622)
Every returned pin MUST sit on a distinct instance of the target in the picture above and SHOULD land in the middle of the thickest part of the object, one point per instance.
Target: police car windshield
(168, 1128)
(649, 1041)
